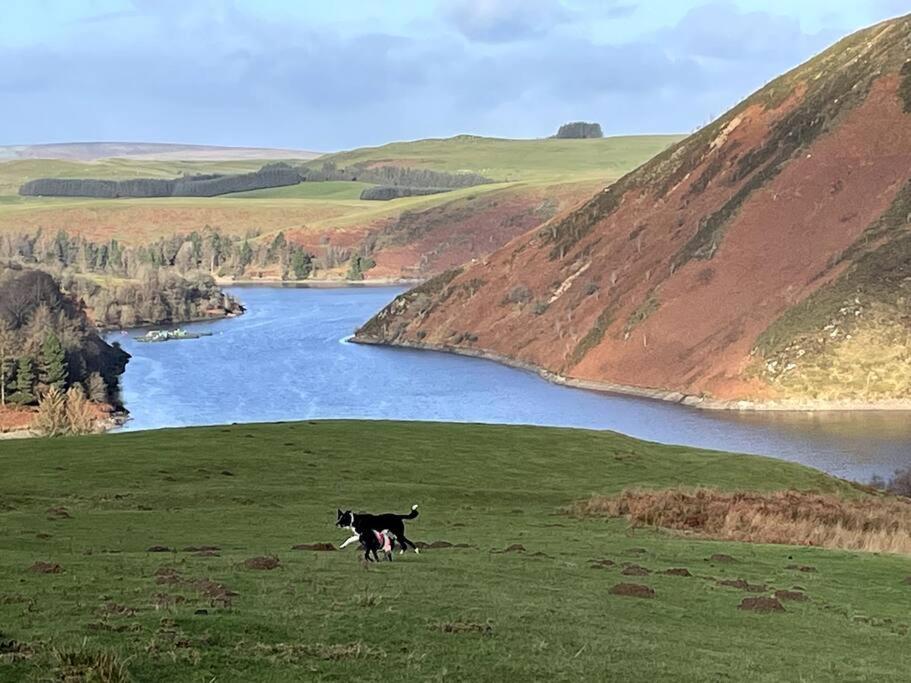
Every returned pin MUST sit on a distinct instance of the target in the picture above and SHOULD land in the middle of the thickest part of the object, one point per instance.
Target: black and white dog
(361, 522)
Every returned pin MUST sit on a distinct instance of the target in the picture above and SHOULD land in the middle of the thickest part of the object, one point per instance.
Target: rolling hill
(93, 151)
(765, 259)
(413, 237)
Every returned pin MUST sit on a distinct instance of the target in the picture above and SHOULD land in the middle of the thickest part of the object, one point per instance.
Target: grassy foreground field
(95, 505)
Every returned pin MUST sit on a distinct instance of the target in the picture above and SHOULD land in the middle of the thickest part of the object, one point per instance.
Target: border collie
(359, 522)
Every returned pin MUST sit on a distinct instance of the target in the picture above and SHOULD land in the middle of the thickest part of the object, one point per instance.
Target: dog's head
(345, 519)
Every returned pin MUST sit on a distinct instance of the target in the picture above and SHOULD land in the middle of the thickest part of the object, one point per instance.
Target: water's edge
(701, 402)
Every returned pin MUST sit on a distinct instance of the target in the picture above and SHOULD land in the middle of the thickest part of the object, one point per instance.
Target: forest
(47, 341)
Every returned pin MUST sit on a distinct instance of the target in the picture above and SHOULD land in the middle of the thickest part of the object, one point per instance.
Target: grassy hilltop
(529, 174)
(96, 505)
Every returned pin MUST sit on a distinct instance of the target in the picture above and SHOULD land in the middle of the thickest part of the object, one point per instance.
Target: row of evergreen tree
(26, 375)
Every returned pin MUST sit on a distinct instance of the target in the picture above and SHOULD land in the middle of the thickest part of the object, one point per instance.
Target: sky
(325, 76)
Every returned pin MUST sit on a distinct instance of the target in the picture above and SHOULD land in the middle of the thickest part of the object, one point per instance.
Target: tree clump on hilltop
(579, 130)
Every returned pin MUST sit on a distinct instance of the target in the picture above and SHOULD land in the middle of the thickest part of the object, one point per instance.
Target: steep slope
(767, 256)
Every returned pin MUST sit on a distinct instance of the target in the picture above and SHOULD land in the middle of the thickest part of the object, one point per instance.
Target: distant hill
(765, 257)
(92, 151)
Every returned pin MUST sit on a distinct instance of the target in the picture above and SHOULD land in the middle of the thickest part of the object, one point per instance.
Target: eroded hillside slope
(767, 256)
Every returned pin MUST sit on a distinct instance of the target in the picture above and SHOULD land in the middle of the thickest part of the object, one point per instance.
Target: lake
(287, 359)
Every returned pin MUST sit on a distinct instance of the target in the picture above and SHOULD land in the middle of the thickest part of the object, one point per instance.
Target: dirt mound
(200, 548)
(58, 513)
(514, 548)
(635, 570)
(677, 571)
(907, 580)
(602, 564)
(265, 562)
(802, 568)
(634, 590)
(158, 549)
(721, 558)
(743, 585)
(45, 568)
(796, 596)
(762, 604)
(207, 553)
(43, 536)
(318, 547)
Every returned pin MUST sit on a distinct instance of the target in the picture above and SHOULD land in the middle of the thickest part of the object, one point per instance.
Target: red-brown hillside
(766, 256)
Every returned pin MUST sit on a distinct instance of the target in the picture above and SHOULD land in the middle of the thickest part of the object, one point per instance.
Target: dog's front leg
(349, 542)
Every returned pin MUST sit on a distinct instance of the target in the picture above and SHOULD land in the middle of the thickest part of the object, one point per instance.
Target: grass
(447, 614)
(511, 160)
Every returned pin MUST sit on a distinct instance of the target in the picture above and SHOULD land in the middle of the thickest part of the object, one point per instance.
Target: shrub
(80, 417)
(898, 484)
(51, 419)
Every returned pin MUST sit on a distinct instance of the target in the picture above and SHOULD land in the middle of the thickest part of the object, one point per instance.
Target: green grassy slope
(510, 160)
(258, 489)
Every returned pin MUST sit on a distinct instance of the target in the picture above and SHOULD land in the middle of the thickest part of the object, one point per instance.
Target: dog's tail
(410, 515)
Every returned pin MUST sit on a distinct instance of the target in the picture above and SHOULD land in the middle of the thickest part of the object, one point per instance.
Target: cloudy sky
(324, 76)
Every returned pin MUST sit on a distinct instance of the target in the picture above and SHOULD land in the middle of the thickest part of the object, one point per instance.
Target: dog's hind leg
(406, 542)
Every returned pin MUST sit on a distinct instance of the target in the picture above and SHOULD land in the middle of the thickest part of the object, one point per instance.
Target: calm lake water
(287, 359)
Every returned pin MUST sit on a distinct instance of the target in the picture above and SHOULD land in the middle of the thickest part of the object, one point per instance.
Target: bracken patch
(869, 523)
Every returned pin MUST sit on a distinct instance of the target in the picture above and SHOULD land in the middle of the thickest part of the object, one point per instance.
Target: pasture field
(157, 548)
(556, 164)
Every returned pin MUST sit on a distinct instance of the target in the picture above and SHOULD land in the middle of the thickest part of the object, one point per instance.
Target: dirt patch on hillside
(602, 564)
(796, 596)
(721, 558)
(158, 549)
(266, 562)
(633, 590)
(514, 548)
(677, 571)
(59, 512)
(635, 570)
(41, 567)
(763, 604)
(870, 523)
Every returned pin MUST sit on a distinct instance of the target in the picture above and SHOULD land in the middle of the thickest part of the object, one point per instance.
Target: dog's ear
(338, 510)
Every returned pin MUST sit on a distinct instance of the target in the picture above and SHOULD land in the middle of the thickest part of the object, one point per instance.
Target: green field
(96, 504)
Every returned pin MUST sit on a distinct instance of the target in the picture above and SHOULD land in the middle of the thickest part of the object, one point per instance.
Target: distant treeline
(158, 296)
(169, 280)
(384, 193)
(393, 176)
(207, 251)
(270, 175)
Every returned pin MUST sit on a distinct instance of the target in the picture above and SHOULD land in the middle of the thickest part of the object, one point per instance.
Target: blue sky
(335, 75)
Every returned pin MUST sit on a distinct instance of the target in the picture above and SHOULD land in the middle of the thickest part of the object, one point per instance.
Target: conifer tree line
(47, 345)
(168, 281)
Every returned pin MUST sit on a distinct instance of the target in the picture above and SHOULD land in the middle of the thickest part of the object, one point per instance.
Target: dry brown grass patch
(871, 523)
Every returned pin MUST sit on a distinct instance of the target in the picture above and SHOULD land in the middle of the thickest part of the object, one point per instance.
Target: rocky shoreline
(701, 402)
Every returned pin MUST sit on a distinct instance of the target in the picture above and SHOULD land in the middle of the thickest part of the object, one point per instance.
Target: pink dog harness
(383, 539)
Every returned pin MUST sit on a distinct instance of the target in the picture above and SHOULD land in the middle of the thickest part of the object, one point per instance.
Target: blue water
(287, 359)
